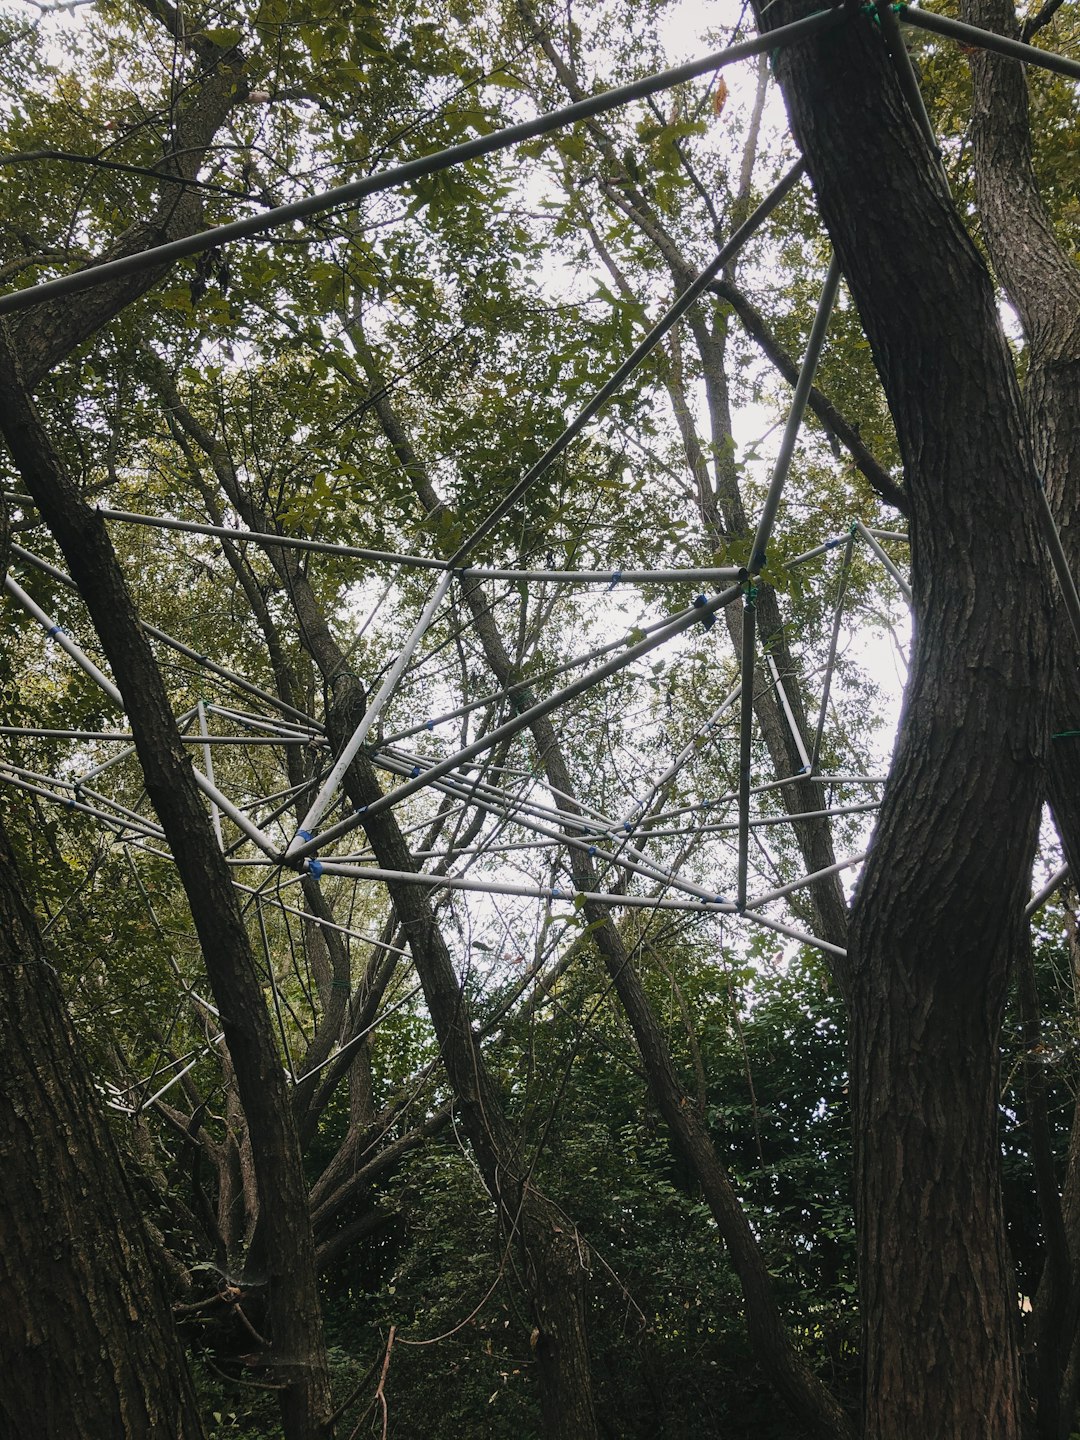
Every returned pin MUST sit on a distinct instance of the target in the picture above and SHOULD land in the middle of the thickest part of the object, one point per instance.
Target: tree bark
(941, 901)
(87, 1335)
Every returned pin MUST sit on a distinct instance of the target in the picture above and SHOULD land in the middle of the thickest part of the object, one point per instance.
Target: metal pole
(785, 704)
(399, 175)
(905, 588)
(795, 415)
(633, 360)
(208, 761)
(360, 734)
(986, 40)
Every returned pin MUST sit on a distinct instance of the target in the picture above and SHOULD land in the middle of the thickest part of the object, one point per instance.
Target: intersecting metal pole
(830, 662)
(795, 416)
(57, 633)
(746, 724)
(371, 714)
(698, 613)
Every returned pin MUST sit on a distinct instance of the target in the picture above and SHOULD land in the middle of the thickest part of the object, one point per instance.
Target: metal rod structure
(782, 890)
(111, 821)
(822, 549)
(834, 640)
(529, 682)
(673, 575)
(785, 705)
(670, 318)
(399, 175)
(1039, 900)
(371, 714)
(208, 761)
(178, 645)
(987, 40)
(628, 857)
(746, 724)
(56, 632)
(63, 639)
(875, 546)
(697, 613)
(354, 1040)
(685, 755)
(803, 386)
(554, 892)
(268, 899)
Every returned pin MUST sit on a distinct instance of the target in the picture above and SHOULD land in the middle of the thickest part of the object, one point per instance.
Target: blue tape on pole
(708, 620)
(57, 630)
(305, 835)
(430, 725)
(615, 578)
(315, 868)
(414, 772)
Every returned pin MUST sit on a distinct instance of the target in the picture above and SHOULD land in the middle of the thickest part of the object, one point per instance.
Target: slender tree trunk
(86, 1333)
(299, 1355)
(939, 908)
(554, 1256)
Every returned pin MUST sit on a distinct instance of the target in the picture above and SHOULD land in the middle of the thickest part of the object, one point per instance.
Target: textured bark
(287, 1248)
(86, 1332)
(940, 905)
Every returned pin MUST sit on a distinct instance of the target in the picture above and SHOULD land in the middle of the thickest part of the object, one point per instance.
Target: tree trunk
(87, 1336)
(292, 1297)
(938, 911)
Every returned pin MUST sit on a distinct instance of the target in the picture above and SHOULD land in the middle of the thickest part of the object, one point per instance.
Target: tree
(972, 748)
(87, 1330)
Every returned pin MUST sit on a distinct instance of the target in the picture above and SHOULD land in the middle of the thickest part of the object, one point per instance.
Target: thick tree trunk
(1043, 283)
(940, 905)
(87, 1337)
(299, 1356)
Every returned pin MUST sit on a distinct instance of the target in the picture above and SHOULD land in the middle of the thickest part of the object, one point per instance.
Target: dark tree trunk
(86, 1333)
(940, 906)
(298, 1355)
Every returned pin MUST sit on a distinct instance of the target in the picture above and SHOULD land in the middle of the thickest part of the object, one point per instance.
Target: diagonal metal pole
(360, 734)
(987, 40)
(398, 175)
(795, 417)
(641, 351)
